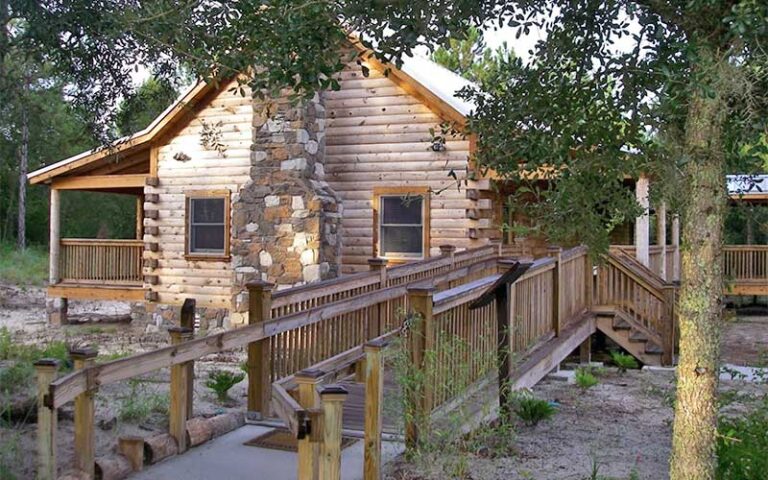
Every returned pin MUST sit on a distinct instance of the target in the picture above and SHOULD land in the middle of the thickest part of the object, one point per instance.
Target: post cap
(445, 249)
(83, 353)
(176, 330)
(377, 344)
(47, 362)
(308, 374)
(377, 261)
(259, 285)
(424, 288)
(333, 390)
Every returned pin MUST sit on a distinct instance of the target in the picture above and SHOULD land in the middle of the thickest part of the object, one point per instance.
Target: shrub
(23, 267)
(533, 410)
(623, 361)
(221, 381)
(742, 446)
(585, 378)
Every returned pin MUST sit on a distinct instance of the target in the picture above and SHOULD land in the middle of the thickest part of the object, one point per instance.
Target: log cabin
(230, 188)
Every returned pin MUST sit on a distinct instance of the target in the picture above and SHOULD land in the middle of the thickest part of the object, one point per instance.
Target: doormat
(281, 439)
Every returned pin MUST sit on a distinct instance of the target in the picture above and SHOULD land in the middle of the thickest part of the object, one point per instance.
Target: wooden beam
(85, 440)
(100, 181)
(259, 352)
(96, 292)
(374, 400)
(180, 392)
(55, 237)
(46, 421)
(333, 398)
(642, 225)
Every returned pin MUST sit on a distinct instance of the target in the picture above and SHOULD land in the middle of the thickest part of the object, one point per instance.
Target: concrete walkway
(226, 458)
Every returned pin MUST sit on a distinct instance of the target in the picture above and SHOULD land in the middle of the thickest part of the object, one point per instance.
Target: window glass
(206, 225)
(401, 226)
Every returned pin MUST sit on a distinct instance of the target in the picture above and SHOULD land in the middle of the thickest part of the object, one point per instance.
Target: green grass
(28, 267)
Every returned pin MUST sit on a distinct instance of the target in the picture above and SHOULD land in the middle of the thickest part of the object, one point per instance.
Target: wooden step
(637, 336)
(621, 324)
(653, 349)
(622, 337)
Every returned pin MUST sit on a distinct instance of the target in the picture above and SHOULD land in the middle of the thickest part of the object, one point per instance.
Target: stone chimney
(286, 220)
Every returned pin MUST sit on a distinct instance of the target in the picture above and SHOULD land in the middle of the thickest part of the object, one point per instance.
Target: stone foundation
(163, 316)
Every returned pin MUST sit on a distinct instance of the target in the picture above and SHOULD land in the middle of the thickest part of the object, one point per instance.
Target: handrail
(100, 241)
(462, 294)
(650, 282)
(70, 386)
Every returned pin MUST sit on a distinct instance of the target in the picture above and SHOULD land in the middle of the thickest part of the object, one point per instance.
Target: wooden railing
(745, 263)
(303, 327)
(380, 309)
(646, 301)
(655, 258)
(101, 261)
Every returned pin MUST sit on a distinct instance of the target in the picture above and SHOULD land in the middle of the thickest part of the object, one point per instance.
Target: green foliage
(585, 378)
(623, 361)
(468, 56)
(742, 446)
(140, 404)
(138, 110)
(23, 267)
(533, 410)
(221, 381)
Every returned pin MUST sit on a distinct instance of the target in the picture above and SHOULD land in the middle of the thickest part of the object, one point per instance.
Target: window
(207, 224)
(402, 223)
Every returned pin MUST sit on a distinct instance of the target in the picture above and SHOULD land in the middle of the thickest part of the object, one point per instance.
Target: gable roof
(419, 76)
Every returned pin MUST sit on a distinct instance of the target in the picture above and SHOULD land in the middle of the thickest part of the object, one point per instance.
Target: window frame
(422, 192)
(191, 195)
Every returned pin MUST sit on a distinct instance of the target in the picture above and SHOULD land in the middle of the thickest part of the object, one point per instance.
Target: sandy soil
(22, 311)
(745, 341)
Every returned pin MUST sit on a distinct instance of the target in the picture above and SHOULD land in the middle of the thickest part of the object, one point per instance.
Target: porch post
(642, 223)
(140, 217)
(55, 239)
(56, 308)
(661, 237)
(676, 244)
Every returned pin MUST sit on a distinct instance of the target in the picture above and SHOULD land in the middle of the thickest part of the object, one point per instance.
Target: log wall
(209, 282)
(378, 136)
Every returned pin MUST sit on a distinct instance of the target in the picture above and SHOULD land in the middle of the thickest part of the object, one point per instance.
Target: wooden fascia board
(142, 140)
(99, 182)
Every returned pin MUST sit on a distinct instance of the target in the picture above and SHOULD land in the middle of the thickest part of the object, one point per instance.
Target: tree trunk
(695, 424)
(23, 167)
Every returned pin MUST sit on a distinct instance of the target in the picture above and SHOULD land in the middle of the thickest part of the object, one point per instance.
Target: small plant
(623, 361)
(139, 404)
(742, 445)
(585, 379)
(221, 381)
(533, 410)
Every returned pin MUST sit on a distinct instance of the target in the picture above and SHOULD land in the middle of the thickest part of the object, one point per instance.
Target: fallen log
(113, 467)
(226, 422)
(199, 430)
(158, 447)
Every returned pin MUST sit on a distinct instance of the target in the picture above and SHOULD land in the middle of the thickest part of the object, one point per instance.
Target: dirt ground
(22, 312)
(745, 340)
(622, 425)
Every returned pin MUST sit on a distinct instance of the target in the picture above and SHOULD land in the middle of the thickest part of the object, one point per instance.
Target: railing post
(333, 397)
(668, 334)
(259, 352)
(421, 339)
(188, 321)
(378, 313)
(180, 392)
(374, 397)
(448, 251)
(308, 449)
(85, 452)
(557, 285)
(589, 280)
(661, 238)
(46, 420)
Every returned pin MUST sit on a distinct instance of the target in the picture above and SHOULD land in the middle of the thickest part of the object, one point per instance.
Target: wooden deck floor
(354, 406)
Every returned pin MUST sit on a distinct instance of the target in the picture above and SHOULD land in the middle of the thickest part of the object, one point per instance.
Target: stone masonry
(286, 220)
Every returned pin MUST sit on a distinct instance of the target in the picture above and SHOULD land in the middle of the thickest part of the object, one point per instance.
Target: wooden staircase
(636, 309)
